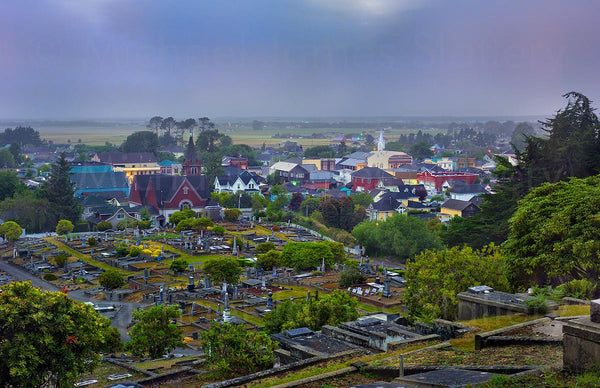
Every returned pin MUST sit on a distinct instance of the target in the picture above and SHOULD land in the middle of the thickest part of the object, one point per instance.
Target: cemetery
(373, 343)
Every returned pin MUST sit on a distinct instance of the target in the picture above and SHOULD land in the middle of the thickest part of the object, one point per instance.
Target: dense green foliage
(155, 333)
(110, 279)
(570, 149)
(400, 236)
(9, 184)
(179, 265)
(265, 247)
(142, 141)
(309, 255)
(435, 277)
(61, 260)
(342, 214)
(328, 309)
(21, 136)
(64, 227)
(232, 215)
(555, 233)
(47, 338)
(236, 351)
(269, 259)
(59, 192)
(106, 225)
(350, 277)
(177, 216)
(194, 224)
(223, 269)
(10, 231)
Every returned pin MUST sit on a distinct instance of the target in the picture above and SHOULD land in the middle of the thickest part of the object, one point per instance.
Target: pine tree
(60, 192)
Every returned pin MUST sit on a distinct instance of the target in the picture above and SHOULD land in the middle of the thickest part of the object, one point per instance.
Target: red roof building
(440, 181)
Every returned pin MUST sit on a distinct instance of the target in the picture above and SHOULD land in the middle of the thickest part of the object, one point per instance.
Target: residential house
(234, 161)
(388, 159)
(465, 192)
(322, 179)
(112, 214)
(385, 207)
(290, 172)
(244, 181)
(322, 164)
(368, 178)
(169, 167)
(457, 208)
(437, 182)
(132, 164)
(355, 161)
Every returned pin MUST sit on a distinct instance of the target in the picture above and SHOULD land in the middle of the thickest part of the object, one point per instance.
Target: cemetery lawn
(83, 257)
(166, 363)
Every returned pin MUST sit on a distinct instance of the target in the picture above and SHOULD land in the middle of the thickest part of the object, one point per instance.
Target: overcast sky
(116, 58)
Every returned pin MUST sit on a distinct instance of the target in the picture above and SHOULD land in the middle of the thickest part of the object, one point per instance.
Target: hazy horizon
(71, 60)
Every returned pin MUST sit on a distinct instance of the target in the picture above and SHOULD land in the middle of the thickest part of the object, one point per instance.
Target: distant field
(99, 135)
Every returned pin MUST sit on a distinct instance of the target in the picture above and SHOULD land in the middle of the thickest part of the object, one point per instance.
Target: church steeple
(381, 141)
(191, 163)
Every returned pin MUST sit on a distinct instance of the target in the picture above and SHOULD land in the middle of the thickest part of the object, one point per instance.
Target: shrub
(350, 277)
(269, 260)
(536, 305)
(126, 223)
(135, 251)
(232, 215)
(578, 288)
(91, 241)
(60, 259)
(275, 228)
(265, 247)
(110, 279)
(179, 265)
(104, 225)
(122, 251)
(218, 230)
(50, 277)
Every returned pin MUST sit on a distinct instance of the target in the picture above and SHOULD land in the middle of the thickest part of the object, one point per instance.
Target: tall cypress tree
(60, 192)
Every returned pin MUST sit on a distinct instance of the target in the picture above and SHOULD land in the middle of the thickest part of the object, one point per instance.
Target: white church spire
(381, 141)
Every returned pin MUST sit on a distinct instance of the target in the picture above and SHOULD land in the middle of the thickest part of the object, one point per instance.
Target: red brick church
(165, 194)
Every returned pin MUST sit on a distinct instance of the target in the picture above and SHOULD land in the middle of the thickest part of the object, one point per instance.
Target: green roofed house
(89, 183)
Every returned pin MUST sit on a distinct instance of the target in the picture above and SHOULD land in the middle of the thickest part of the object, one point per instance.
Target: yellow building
(132, 164)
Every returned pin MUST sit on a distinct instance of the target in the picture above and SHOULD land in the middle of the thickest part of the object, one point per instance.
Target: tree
(142, 141)
(49, 339)
(61, 259)
(7, 159)
(154, 333)
(329, 309)
(59, 192)
(306, 255)
(106, 225)
(269, 259)
(259, 202)
(64, 227)
(210, 140)
(218, 230)
(350, 277)
(400, 236)
(179, 265)
(181, 215)
(110, 279)
(420, 151)
(320, 151)
(520, 134)
(236, 351)
(362, 199)
(124, 223)
(232, 215)
(258, 125)
(555, 234)
(265, 247)
(225, 269)
(167, 125)
(295, 202)
(30, 212)
(154, 124)
(308, 206)
(21, 136)
(10, 231)
(435, 277)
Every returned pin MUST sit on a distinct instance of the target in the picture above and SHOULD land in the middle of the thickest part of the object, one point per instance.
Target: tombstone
(354, 290)
(206, 283)
(236, 294)
(367, 292)
(226, 302)
(186, 245)
(193, 308)
(274, 272)
(191, 286)
(270, 301)
(234, 251)
(288, 223)
(263, 285)
(105, 237)
(126, 241)
(160, 294)
(144, 245)
(323, 265)
(377, 280)
(182, 234)
(248, 273)
(31, 260)
(165, 233)
(307, 295)
(162, 250)
(361, 260)
(170, 297)
(237, 228)
(252, 225)
(199, 241)
(138, 240)
(82, 242)
(224, 291)
(219, 309)
(182, 306)
(376, 268)
(146, 275)
(247, 245)
(66, 239)
(385, 271)
(349, 289)
(244, 295)
(386, 288)
(206, 245)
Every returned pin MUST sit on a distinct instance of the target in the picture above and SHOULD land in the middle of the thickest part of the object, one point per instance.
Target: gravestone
(191, 286)
(270, 301)
(386, 288)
